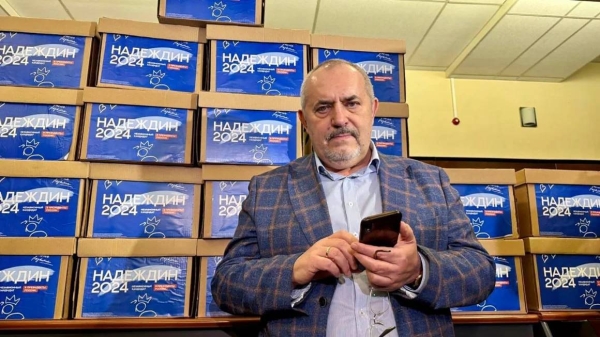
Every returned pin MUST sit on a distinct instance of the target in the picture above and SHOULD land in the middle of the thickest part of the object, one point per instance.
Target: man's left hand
(390, 271)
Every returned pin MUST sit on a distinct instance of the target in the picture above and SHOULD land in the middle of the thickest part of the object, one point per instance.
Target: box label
(568, 210)
(38, 207)
(505, 296)
(238, 11)
(250, 137)
(569, 281)
(40, 60)
(488, 207)
(137, 133)
(145, 62)
(212, 310)
(28, 286)
(36, 131)
(387, 135)
(135, 287)
(383, 70)
(132, 209)
(260, 68)
(227, 198)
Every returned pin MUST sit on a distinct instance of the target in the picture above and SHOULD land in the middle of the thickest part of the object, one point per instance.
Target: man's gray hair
(332, 63)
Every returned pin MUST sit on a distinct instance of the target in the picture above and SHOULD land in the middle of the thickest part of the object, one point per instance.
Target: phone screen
(381, 230)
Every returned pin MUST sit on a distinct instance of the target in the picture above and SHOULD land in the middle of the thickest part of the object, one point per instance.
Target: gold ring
(327, 251)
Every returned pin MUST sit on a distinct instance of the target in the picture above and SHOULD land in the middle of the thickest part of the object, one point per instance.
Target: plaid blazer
(286, 212)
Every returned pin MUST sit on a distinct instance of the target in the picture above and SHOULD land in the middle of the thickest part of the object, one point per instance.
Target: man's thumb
(406, 233)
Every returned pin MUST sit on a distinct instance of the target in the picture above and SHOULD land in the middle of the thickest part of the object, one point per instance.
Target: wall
(568, 116)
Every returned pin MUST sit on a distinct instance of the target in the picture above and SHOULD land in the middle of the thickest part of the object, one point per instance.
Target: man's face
(338, 116)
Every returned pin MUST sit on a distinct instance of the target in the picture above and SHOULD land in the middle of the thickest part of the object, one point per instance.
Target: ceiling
(530, 40)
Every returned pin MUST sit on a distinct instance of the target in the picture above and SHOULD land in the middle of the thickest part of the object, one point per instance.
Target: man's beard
(341, 156)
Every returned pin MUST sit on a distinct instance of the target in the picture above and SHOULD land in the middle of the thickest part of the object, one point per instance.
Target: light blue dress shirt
(349, 200)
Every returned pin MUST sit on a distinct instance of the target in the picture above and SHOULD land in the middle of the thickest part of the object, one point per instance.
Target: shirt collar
(373, 166)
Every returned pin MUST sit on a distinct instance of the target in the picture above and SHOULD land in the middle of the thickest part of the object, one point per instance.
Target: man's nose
(339, 116)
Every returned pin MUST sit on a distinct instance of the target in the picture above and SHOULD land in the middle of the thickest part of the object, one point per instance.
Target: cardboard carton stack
(487, 196)
(559, 214)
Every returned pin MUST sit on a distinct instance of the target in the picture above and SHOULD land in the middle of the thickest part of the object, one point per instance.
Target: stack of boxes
(103, 132)
(487, 196)
(559, 213)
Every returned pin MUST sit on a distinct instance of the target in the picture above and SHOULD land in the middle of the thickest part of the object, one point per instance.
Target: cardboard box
(257, 61)
(508, 296)
(203, 12)
(39, 124)
(225, 188)
(249, 129)
(35, 278)
(382, 59)
(211, 252)
(126, 278)
(42, 198)
(137, 201)
(133, 126)
(150, 56)
(559, 203)
(488, 198)
(46, 53)
(562, 274)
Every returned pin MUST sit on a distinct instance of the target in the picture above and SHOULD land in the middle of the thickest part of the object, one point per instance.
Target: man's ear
(302, 119)
(375, 106)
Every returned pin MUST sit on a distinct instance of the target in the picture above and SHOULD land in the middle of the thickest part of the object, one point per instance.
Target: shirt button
(355, 234)
(350, 204)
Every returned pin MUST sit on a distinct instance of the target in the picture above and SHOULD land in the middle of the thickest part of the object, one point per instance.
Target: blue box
(488, 200)
(34, 206)
(131, 287)
(265, 133)
(206, 305)
(141, 201)
(383, 60)
(565, 281)
(257, 61)
(39, 124)
(150, 56)
(559, 203)
(201, 12)
(222, 204)
(45, 53)
(131, 126)
(390, 137)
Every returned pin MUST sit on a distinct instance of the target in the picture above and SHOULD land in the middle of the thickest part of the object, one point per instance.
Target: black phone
(380, 230)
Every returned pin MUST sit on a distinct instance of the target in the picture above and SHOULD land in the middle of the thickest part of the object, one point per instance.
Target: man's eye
(321, 109)
(352, 104)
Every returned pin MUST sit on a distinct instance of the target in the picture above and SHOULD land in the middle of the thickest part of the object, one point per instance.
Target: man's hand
(330, 256)
(391, 271)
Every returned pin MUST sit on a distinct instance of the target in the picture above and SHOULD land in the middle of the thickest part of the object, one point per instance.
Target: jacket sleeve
(245, 283)
(465, 273)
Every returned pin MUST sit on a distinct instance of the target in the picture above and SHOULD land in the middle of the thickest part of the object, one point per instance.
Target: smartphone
(380, 230)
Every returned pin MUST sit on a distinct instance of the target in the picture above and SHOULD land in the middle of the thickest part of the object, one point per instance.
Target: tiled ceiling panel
(46, 9)
(92, 10)
(493, 2)
(576, 52)
(543, 7)
(456, 26)
(552, 39)
(585, 10)
(505, 42)
(391, 19)
(290, 14)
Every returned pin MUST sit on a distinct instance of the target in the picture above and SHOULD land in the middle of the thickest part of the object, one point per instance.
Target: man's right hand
(330, 256)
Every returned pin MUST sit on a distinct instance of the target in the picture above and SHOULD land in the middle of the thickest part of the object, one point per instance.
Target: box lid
(358, 44)
(152, 30)
(502, 247)
(482, 176)
(257, 34)
(233, 172)
(167, 99)
(41, 96)
(37, 246)
(568, 177)
(93, 247)
(569, 246)
(44, 169)
(47, 26)
(151, 173)
(250, 102)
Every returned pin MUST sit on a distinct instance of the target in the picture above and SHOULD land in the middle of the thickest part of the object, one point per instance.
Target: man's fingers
(378, 281)
(328, 265)
(338, 257)
(344, 235)
(343, 248)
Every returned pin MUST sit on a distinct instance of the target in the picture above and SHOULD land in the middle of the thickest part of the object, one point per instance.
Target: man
(294, 259)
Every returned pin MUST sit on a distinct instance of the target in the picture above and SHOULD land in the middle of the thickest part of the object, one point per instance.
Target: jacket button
(322, 301)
